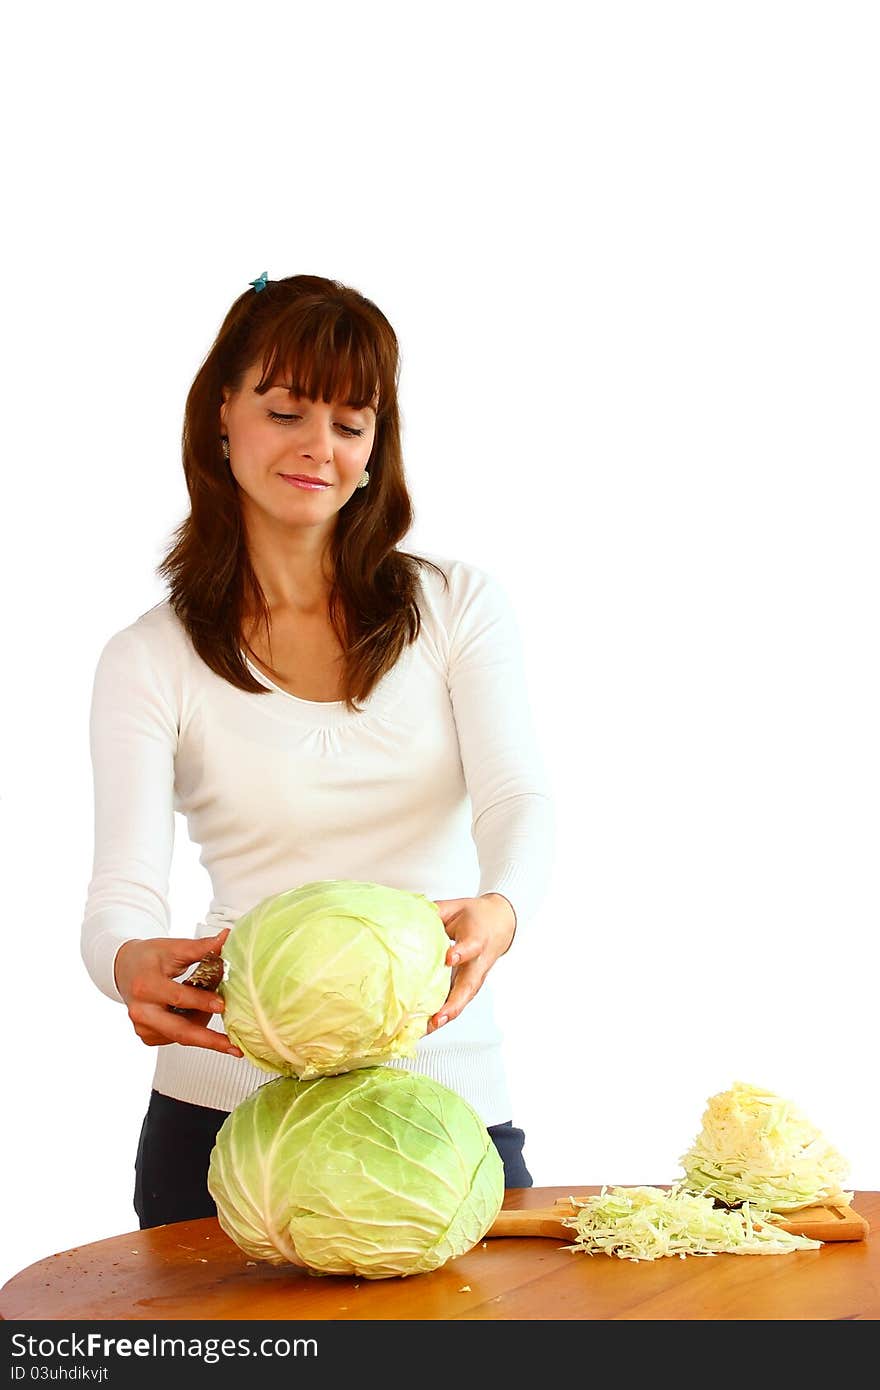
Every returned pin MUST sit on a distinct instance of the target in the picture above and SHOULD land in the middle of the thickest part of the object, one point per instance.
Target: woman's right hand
(145, 977)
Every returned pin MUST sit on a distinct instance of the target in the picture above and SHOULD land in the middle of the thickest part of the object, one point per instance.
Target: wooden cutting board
(818, 1223)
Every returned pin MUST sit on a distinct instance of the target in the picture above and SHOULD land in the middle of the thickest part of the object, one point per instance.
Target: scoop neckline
(328, 712)
(261, 675)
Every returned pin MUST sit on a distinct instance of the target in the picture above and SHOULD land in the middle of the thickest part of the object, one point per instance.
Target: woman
(318, 704)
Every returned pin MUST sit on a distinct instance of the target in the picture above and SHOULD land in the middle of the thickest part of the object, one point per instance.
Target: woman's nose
(316, 441)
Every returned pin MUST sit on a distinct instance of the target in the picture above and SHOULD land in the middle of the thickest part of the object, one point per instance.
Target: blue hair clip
(260, 282)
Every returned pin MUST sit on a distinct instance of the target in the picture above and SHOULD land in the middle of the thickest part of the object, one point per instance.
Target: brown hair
(335, 344)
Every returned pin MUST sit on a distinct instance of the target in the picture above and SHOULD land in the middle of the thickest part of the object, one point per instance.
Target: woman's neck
(292, 568)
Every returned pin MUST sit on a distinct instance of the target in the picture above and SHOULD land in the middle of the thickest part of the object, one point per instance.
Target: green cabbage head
(377, 1172)
(332, 976)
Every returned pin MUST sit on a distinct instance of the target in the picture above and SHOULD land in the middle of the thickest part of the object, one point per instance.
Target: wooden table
(192, 1270)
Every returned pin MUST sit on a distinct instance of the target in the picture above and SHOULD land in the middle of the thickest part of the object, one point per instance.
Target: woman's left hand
(481, 930)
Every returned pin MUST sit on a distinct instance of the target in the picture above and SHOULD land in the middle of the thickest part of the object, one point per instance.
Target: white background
(631, 254)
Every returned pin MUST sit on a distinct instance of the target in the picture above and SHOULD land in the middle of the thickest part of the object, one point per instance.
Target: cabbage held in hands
(332, 976)
(378, 1172)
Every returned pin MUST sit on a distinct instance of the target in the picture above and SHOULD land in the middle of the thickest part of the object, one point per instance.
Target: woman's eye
(286, 419)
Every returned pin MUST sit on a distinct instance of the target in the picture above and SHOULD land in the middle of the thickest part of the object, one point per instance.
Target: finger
(449, 907)
(463, 949)
(465, 985)
(153, 1038)
(189, 951)
(191, 997)
(207, 1038)
(214, 1042)
(208, 974)
(184, 1030)
(158, 989)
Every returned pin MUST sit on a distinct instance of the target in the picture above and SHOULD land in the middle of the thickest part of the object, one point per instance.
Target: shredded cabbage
(647, 1223)
(756, 1147)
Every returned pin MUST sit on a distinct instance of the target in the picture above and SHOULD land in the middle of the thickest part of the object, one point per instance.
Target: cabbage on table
(334, 975)
(376, 1172)
(756, 1147)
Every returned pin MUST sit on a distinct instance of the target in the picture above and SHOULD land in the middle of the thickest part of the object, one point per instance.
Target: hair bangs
(326, 356)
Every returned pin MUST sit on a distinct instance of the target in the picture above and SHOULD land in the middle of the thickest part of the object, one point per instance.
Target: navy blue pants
(171, 1168)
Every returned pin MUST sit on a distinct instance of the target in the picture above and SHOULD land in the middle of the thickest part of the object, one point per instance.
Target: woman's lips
(304, 481)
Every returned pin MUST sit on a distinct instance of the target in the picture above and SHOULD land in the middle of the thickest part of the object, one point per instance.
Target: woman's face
(296, 461)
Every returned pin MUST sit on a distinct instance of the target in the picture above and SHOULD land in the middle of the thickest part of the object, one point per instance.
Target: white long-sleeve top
(436, 786)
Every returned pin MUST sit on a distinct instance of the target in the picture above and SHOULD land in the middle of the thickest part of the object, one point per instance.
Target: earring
(364, 479)
(225, 444)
